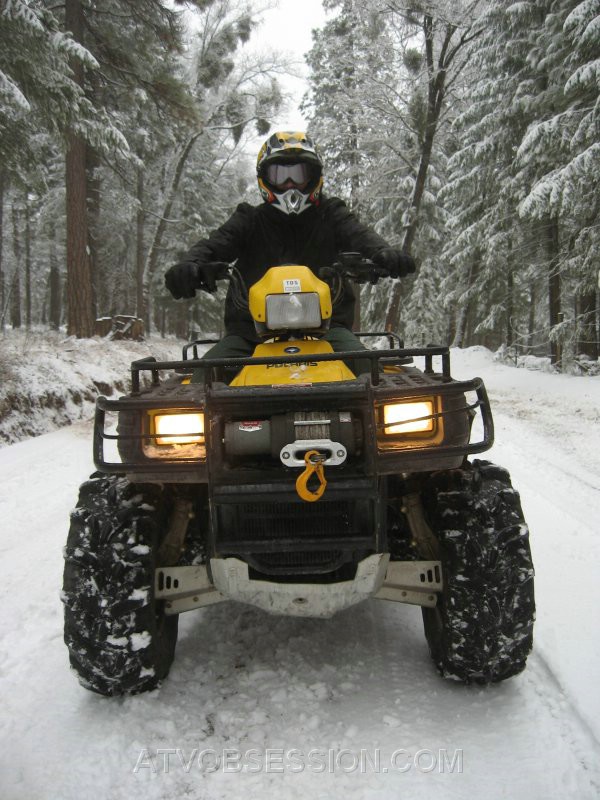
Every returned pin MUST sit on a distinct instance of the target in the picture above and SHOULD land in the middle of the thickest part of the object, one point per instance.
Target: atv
(290, 482)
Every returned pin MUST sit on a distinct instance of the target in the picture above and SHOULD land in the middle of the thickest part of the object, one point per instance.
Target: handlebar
(353, 266)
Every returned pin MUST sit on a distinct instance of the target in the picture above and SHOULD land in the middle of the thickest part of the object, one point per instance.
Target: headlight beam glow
(185, 428)
(410, 417)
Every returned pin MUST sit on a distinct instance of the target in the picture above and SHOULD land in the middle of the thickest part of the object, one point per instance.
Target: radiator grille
(301, 539)
(285, 520)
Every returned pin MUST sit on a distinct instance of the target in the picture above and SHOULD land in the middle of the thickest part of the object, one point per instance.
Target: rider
(295, 224)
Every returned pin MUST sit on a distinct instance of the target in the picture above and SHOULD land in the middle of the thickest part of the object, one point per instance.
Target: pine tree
(446, 32)
(234, 96)
(372, 86)
(564, 146)
(37, 93)
(487, 238)
(523, 177)
(129, 113)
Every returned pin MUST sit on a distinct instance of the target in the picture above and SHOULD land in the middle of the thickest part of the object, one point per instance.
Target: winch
(287, 437)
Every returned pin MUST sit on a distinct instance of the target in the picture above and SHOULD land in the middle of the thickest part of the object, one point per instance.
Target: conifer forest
(466, 133)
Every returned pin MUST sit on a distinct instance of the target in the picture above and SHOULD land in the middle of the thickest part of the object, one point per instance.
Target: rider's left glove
(397, 263)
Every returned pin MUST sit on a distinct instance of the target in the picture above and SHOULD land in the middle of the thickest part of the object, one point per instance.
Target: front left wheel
(118, 637)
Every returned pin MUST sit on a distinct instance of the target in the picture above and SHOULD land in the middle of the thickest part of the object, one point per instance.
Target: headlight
(179, 428)
(293, 311)
(408, 417)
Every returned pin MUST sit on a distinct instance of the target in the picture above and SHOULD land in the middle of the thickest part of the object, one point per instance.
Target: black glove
(397, 263)
(182, 279)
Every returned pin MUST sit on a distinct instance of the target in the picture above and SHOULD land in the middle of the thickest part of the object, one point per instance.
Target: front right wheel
(120, 641)
(481, 630)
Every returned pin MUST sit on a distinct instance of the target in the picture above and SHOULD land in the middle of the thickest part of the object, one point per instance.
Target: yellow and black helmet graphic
(290, 147)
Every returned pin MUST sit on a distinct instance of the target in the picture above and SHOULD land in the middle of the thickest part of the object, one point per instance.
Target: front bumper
(186, 588)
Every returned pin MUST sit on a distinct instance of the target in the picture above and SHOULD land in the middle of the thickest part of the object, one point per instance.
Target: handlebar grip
(209, 272)
(220, 269)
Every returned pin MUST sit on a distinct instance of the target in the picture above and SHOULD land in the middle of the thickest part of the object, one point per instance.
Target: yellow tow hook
(314, 465)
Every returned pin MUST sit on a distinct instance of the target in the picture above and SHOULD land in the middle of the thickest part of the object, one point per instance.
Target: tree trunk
(55, 289)
(15, 289)
(554, 285)
(152, 257)
(354, 207)
(80, 321)
(588, 335)
(461, 325)
(79, 278)
(99, 280)
(27, 263)
(139, 246)
(462, 316)
(2, 282)
(435, 99)
(531, 320)
(510, 287)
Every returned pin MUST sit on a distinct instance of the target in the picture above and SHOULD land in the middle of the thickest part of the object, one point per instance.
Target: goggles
(278, 174)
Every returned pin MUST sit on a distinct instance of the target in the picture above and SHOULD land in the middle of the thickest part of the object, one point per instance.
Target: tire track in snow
(562, 509)
(566, 442)
(573, 727)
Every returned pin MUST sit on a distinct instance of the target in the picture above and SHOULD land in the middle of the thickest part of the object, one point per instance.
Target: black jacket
(261, 236)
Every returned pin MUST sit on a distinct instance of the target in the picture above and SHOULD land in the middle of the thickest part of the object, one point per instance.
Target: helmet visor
(280, 174)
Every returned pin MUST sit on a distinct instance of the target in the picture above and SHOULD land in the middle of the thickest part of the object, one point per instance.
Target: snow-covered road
(263, 707)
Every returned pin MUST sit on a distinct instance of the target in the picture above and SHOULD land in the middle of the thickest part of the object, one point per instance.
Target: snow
(17, 9)
(580, 15)
(63, 42)
(267, 707)
(49, 380)
(11, 93)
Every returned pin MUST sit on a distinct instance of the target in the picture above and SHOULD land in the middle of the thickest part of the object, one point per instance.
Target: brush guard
(367, 390)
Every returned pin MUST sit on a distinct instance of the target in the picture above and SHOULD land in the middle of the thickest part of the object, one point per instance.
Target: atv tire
(481, 630)
(119, 639)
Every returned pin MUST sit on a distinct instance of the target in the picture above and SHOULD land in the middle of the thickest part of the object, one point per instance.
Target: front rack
(376, 357)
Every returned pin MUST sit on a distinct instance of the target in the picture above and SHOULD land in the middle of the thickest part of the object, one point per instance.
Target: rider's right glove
(183, 278)
(396, 262)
